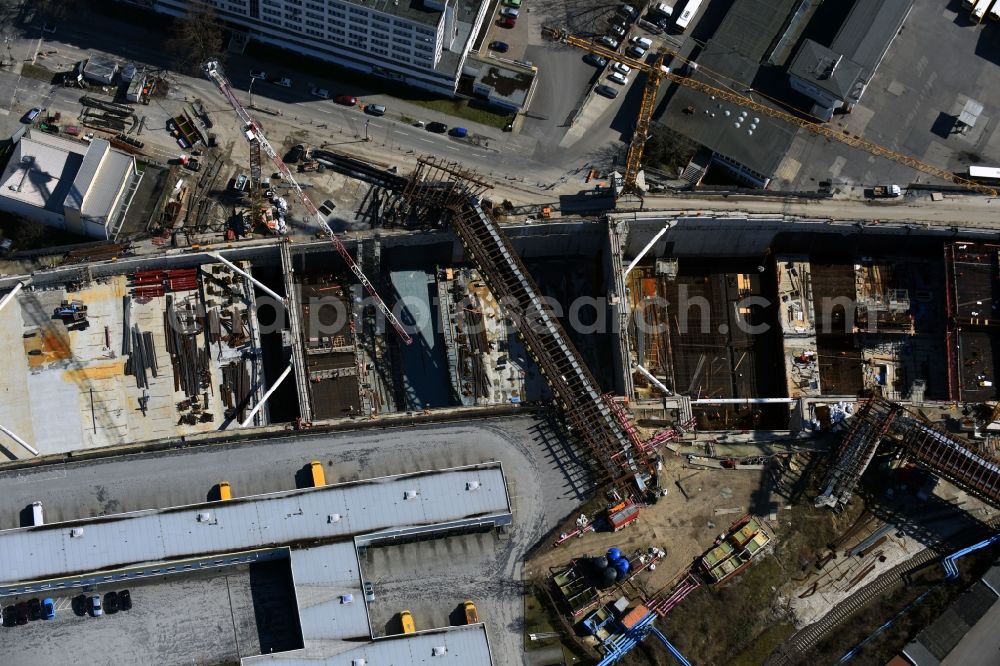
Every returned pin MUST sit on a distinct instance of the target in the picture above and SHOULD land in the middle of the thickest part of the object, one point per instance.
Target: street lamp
(366, 130)
(253, 80)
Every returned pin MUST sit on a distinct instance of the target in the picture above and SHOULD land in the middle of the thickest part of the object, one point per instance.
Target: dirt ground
(684, 526)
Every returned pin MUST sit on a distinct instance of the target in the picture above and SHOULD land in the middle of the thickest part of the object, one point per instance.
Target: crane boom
(254, 133)
(658, 72)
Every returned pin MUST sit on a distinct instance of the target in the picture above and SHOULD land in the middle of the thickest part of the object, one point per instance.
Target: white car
(510, 11)
(622, 69)
(619, 78)
(284, 82)
(322, 93)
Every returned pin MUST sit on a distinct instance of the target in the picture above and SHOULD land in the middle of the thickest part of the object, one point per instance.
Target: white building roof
(41, 170)
(55, 173)
(333, 514)
(457, 646)
(322, 577)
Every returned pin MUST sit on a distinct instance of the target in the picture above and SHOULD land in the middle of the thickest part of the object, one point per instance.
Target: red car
(346, 100)
(508, 22)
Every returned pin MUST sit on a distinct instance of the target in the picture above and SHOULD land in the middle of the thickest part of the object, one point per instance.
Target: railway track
(797, 647)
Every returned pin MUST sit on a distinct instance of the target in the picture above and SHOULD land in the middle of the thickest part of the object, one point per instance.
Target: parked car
(643, 42)
(617, 31)
(595, 60)
(284, 82)
(111, 602)
(610, 42)
(95, 605)
(9, 616)
(628, 10)
(322, 93)
(635, 52)
(21, 613)
(295, 154)
(508, 22)
(510, 11)
(621, 68)
(34, 609)
(606, 91)
(499, 47)
(258, 74)
(346, 100)
(619, 78)
(369, 591)
(48, 609)
(663, 8)
(49, 28)
(459, 132)
(437, 128)
(375, 109)
(512, 3)
(125, 600)
(30, 116)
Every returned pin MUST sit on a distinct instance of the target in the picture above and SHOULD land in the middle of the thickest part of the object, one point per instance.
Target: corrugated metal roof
(333, 513)
(463, 646)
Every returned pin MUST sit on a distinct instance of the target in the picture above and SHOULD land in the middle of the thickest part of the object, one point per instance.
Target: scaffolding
(868, 427)
(937, 450)
(590, 416)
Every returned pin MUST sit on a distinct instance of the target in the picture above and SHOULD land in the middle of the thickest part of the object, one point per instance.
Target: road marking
(424, 140)
(403, 133)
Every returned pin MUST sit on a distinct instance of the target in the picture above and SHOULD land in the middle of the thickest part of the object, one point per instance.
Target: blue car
(499, 47)
(595, 60)
(48, 609)
(459, 132)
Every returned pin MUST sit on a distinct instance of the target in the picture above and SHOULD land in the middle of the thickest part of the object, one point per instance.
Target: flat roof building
(422, 43)
(319, 530)
(83, 188)
(835, 77)
(747, 144)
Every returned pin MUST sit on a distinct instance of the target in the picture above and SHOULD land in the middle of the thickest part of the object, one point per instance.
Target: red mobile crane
(253, 133)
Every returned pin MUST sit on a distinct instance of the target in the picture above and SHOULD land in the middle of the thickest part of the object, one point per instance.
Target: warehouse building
(422, 43)
(835, 76)
(83, 188)
(315, 533)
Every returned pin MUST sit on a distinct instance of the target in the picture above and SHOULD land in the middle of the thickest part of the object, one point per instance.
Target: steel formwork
(937, 450)
(589, 415)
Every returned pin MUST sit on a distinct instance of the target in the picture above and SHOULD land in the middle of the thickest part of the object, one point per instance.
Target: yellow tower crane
(656, 73)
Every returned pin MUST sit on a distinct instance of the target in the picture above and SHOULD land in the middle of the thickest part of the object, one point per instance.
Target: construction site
(777, 413)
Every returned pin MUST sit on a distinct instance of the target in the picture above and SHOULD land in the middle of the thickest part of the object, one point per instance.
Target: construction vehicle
(255, 135)
(406, 619)
(471, 614)
(71, 311)
(886, 191)
(622, 514)
(656, 72)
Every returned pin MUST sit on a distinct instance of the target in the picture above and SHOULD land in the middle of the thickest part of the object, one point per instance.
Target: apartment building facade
(422, 43)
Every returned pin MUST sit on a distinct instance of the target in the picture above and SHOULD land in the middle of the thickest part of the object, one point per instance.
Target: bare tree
(196, 38)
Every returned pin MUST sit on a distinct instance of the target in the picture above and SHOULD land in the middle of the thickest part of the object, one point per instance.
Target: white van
(36, 514)
(643, 42)
(663, 8)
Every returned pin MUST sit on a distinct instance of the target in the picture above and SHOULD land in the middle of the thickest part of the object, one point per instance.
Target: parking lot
(210, 618)
(939, 60)
(432, 579)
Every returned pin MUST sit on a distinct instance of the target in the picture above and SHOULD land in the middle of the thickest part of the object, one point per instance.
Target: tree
(196, 38)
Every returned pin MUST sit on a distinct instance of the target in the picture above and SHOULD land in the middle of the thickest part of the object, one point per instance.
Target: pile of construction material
(138, 346)
(154, 283)
(236, 390)
(183, 323)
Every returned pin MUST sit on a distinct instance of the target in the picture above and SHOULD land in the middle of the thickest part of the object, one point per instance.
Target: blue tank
(614, 555)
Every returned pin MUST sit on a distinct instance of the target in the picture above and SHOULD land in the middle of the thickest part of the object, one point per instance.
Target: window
(403, 33)
(339, 24)
(314, 15)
